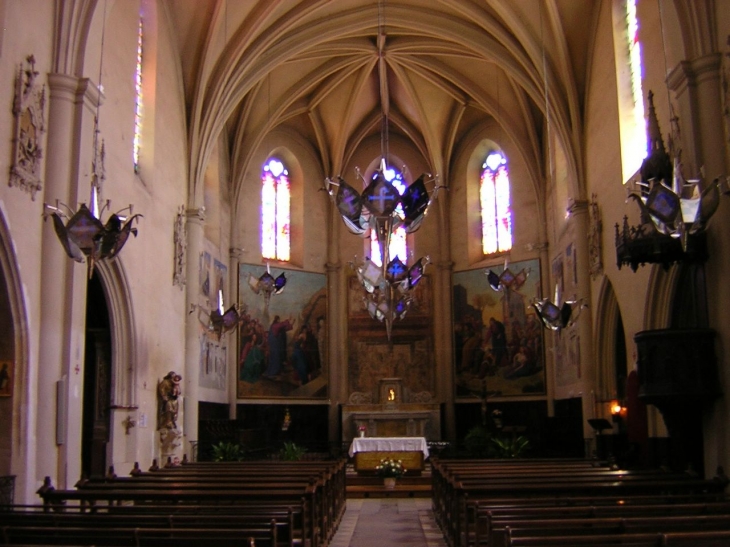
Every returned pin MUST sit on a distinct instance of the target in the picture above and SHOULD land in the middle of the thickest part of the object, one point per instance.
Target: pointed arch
(608, 319)
(22, 453)
(121, 320)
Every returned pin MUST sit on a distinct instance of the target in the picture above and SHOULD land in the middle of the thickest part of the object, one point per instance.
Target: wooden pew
(609, 526)
(458, 484)
(491, 529)
(314, 490)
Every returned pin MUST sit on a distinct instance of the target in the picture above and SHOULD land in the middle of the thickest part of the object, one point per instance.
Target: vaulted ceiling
(331, 70)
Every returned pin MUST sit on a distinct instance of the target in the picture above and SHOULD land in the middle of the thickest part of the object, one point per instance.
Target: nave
(472, 503)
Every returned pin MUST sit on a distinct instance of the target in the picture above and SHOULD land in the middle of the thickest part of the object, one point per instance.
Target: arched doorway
(7, 377)
(97, 382)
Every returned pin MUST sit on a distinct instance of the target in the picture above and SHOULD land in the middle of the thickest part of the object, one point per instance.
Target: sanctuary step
(371, 486)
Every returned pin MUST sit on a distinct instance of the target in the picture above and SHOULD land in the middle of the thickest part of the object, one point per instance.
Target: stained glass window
(636, 147)
(275, 211)
(138, 101)
(398, 244)
(495, 205)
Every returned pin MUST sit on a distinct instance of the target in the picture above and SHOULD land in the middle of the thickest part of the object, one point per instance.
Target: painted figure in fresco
(311, 353)
(252, 360)
(523, 363)
(498, 337)
(168, 391)
(277, 346)
(298, 357)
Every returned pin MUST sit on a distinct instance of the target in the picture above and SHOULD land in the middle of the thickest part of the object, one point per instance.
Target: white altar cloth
(389, 444)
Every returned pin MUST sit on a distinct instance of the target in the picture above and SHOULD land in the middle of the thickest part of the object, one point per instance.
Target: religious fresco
(409, 353)
(498, 338)
(213, 359)
(282, 339)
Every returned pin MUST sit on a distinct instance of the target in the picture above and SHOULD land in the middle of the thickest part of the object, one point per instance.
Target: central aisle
(388, 522)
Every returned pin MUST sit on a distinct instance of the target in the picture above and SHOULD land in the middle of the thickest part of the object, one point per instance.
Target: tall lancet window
(632, 35)
(398, 243)
(138, 102)
(495, 203)
(275, 211)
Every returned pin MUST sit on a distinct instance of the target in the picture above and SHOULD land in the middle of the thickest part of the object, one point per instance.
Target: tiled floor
(388, 522)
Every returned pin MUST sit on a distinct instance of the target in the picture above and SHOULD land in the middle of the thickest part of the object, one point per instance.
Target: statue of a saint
(168, 391)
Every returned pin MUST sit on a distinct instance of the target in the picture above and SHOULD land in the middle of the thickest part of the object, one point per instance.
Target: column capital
(333, 266)
(195, 215)
(447, 265)
(687, 72)
(578, 207)
(236, 253)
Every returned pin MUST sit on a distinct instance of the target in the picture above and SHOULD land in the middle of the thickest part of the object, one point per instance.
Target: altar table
(368, 451)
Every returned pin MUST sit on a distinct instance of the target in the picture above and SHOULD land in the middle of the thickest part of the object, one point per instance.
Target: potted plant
(390, 469)
(226, 451)
(292, 452)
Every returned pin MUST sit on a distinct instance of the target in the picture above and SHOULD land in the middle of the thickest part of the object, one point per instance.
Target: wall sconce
(618, 410)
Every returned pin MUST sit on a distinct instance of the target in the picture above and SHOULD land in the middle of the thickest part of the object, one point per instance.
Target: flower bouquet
(390, 468)
(362, 430)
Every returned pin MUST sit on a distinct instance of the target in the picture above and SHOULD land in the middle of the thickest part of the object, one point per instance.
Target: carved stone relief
(181, 245)
(28, 111)
(595, 228)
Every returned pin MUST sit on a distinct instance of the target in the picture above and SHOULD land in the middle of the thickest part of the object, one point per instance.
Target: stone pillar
(72, 106)
(579, 214)
(336, 345)
(195, 234)
(443, 327)
(234, 257)
(698, 87)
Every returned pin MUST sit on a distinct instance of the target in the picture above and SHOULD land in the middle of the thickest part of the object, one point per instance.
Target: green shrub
(226, 451)
(292, 452)
(510, 446)
(477, 442)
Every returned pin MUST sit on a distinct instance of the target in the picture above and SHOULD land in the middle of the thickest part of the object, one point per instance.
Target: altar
(391, 411)
(368, 451)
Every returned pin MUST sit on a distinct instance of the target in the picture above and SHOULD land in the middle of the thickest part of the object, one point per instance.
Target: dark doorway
(97, 382)
(7, 377)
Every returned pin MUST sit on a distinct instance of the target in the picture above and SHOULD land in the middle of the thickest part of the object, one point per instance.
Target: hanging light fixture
(223, 321)
(381, 210)
(674, 211)
(556, 316)
(83, 235)
(267, 285)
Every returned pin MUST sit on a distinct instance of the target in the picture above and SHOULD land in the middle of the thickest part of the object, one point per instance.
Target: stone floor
(388, 522)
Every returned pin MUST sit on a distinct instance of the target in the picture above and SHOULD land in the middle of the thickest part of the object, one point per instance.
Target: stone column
(579, 214)
(234, 256)
(72, 105)
(195, 233)
(698, 87)
(443, 326)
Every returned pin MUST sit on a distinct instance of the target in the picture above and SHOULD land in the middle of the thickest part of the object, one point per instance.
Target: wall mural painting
(498, 339)
(213, 359)
(282, 347)
(409, 353)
